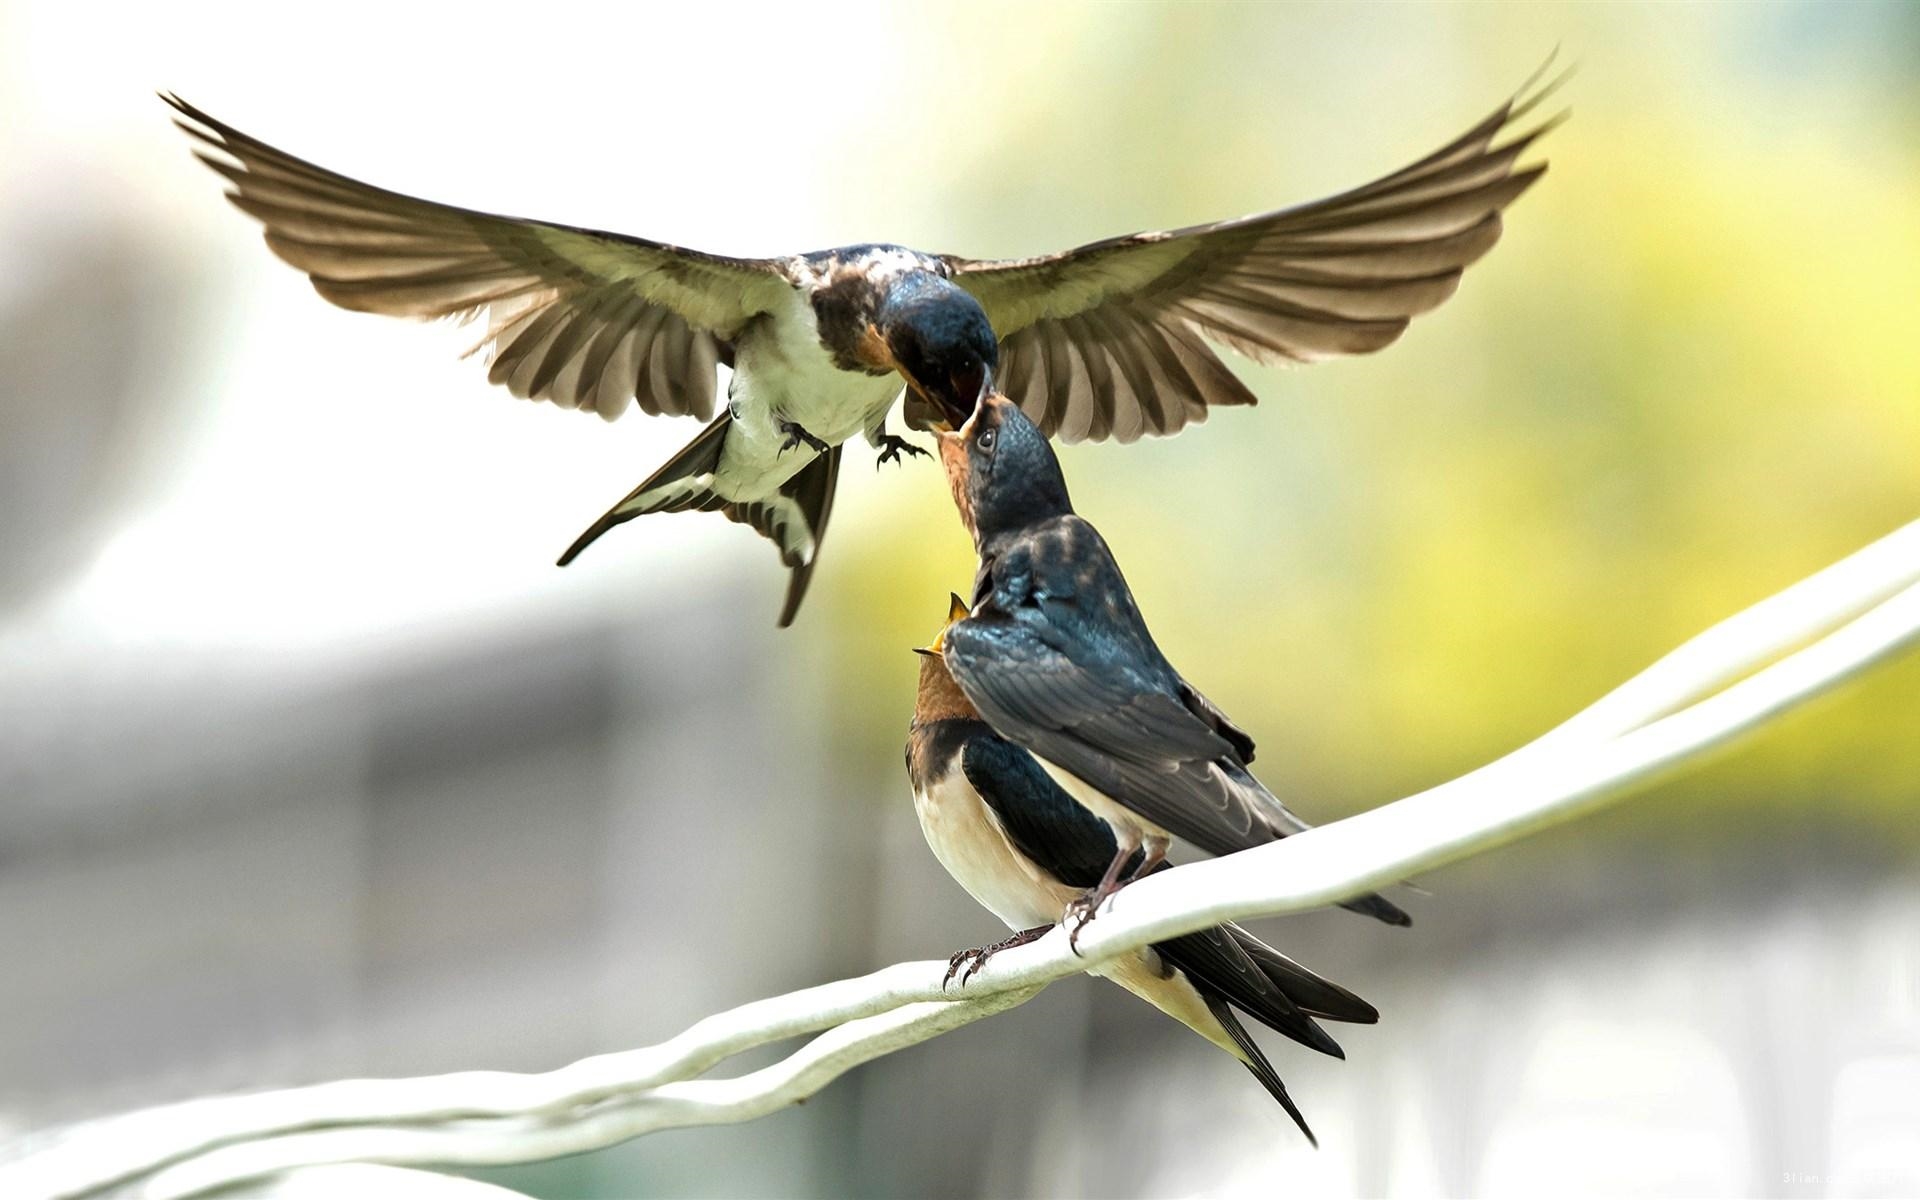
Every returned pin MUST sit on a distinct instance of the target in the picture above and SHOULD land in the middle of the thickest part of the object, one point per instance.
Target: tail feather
(1314, 994)
(690, 469)
(1264, 983)
(794, 519)
(1256, 1061)
(1216, 963)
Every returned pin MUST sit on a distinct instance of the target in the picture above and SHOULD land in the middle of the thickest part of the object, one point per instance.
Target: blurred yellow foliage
(1688, 376)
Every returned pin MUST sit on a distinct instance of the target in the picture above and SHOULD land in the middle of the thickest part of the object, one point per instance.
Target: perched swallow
(1108, 340)
(1026, 851)
(1057, 659)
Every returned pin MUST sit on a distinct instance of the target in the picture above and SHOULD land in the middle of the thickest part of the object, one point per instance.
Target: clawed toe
(798, 436)
(967, 963)
(953, 966)
(1081, 911)
(892, 448)
(1077, 915)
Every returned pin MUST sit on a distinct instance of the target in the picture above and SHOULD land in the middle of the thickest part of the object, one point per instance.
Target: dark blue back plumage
(1058, 659)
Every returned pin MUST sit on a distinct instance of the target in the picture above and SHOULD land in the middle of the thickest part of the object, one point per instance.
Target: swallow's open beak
(928, 402)
(956, 611)
(956, 404)
(963, 428)
(946, 420)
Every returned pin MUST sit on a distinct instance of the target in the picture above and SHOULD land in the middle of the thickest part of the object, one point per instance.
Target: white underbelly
(782, 373)
(967, 839)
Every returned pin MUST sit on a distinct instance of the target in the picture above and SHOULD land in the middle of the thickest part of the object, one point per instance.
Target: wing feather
(595, 363)
(1338, 276)
(1098, 721)
(581, 324)
(1180, 399)
(666, 357)
(628, 366)
(572, 314)
(1123, 355)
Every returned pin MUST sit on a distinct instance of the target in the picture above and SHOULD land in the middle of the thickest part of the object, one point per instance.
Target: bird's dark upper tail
(1229, 966)
(1313, 993)
(794, 519)
(1230, 961)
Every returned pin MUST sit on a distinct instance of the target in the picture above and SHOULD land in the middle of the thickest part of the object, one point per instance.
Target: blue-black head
(940, 340)
(1003, 472)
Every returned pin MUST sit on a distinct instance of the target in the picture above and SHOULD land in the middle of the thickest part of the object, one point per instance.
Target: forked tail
(794, 519)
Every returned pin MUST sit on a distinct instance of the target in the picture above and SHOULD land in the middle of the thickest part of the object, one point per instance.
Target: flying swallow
(1108, 340)
(1058, 660)
(1026, 850)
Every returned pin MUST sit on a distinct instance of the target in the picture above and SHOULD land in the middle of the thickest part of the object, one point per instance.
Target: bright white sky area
(333, 474)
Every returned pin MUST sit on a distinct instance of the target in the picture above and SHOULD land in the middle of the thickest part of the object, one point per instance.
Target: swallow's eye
(986, 440)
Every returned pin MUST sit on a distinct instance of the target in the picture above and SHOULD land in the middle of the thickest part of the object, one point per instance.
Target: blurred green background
(312, 765)
(1689, 375)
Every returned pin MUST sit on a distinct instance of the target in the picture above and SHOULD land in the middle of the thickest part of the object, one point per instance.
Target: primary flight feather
(1110, 340)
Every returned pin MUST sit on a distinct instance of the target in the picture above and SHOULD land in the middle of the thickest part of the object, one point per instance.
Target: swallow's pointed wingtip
(1380, 909)
(182, 109)
(1539, 88)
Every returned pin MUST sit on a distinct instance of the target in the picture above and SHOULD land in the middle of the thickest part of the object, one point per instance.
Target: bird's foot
(1083, 909)
(977, 957)
(797, 436)
(891, 448)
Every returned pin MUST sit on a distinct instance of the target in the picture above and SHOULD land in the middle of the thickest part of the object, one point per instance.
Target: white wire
(1860, 611)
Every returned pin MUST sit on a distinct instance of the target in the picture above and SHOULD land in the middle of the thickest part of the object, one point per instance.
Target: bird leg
(797, 435)
(1155, 853)
(1088, 903)
(892, 447)
(977, 957)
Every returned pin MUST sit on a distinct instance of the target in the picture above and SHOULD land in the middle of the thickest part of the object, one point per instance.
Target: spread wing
(1110, 340)
(585, 319)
